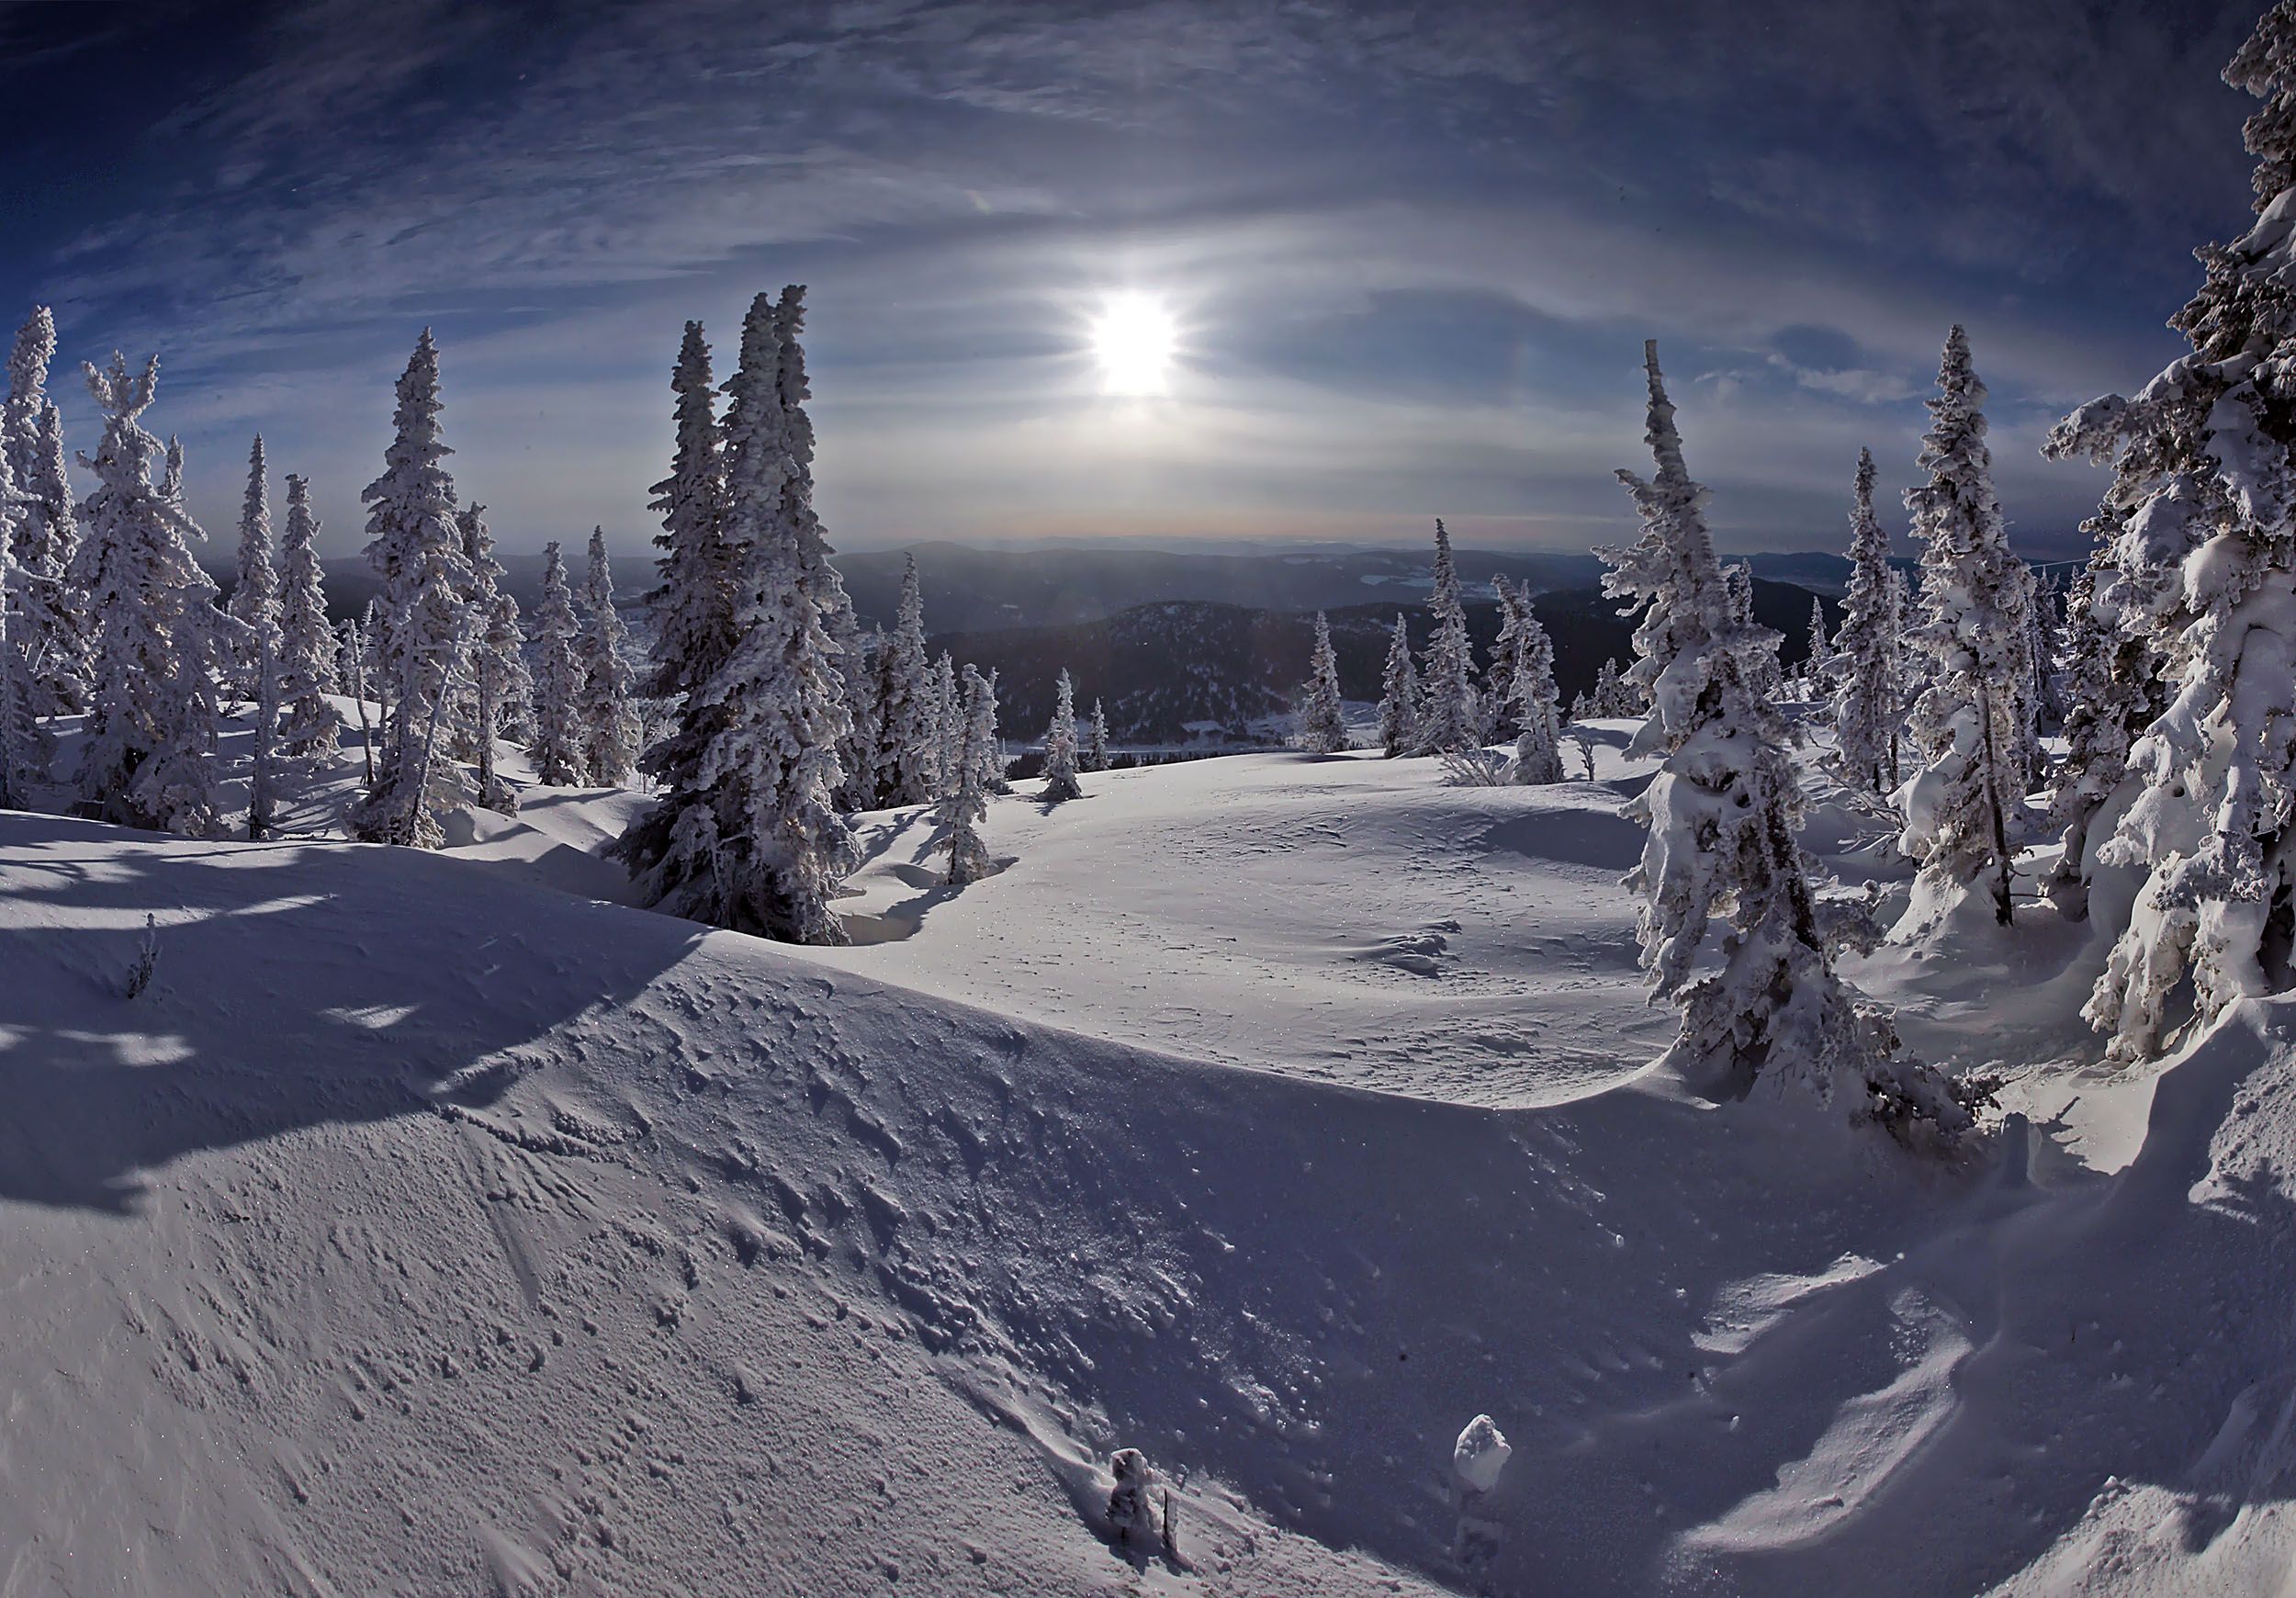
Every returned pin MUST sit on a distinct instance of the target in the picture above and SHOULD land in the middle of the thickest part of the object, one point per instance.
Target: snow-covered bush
(1477, 768)
(1481, 1455)
(1131, 1514)
(147, 963)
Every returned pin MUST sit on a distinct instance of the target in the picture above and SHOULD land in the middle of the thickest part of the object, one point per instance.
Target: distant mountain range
(1197, 648)
(1186, 646)
(968, 589)
(1194, 669)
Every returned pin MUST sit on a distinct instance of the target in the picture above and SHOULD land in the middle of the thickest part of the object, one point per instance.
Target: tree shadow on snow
(294, 986)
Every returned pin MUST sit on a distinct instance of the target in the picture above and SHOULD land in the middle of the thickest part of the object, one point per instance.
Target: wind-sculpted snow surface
(423, 1230)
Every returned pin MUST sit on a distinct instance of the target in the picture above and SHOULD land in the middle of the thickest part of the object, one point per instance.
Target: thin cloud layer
(1413, 249)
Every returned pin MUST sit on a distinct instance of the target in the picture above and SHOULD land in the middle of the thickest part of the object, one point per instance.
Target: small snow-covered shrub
(1481, 1455)
(1130, 1516)
(1477, 769)
(147, 957)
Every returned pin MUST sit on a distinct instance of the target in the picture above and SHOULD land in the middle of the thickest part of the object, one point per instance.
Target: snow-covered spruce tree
(1060, 746)
(2040, 651)
(1767, 677)
(672, 843)
(1621, 698)
(1322, 718)
(1867, 705)
(1909, 663)
(2025, 590)
(966, 804)
(262, 783)
(1537, 707)
(256, 592)
(500, 686)
(1446, 680)
(415, 545)
(820, 577)
(1731, 935)
(948, 723)
(26, 747)
(607, 724)
(64, 658)
(147, 756)
(780, 847)
(172, 473)
(54, 633)
(864, 684)
(993, 762)
(1614, 697)
(2111, 699)
(1820, 650)
(351, 671)
(305, 665)
(375, 689)
(910, 731)
(1399, 696)
(557, 750)
(1095, 756)
(28, 603)
(1966, 727)
(1495, 703)
(881, 663)
(29, 360)
(2203, 514)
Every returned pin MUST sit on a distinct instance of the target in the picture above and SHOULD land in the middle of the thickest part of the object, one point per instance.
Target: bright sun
(1132, 339)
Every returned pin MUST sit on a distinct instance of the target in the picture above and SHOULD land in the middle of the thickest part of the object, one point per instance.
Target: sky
(1409, 253)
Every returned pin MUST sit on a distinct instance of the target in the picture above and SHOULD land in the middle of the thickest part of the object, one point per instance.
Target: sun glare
(1132, 338)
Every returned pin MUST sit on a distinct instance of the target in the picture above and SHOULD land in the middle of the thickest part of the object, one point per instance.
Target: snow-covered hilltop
(480, 1115)
(422, 1228)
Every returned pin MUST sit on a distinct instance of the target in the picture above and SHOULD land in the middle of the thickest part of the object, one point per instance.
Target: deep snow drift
(429, 1227)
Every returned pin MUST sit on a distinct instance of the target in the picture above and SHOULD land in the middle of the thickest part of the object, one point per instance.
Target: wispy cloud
(1416, 245)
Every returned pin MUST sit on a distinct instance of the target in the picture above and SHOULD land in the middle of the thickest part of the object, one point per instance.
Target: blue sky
(1412, 249)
